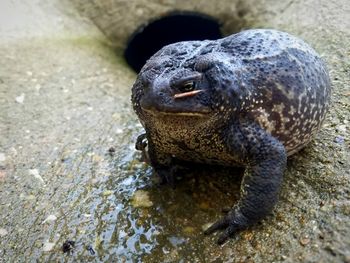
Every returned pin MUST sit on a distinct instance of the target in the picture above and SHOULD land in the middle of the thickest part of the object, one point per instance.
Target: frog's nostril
(175, 27)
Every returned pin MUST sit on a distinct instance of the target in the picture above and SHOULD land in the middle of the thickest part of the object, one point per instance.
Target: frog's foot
(232, 223)
(168, 175)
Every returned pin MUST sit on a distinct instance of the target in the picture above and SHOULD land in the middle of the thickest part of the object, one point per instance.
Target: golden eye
(188, 86)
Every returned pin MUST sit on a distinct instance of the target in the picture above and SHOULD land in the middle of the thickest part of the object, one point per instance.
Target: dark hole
(175, 27)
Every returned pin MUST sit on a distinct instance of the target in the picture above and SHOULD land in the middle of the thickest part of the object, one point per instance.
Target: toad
(250, 99)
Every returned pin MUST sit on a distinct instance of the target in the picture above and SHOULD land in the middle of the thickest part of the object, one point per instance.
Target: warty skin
(250, 99)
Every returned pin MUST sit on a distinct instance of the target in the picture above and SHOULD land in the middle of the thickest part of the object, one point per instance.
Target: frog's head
(194, 89)
(187, 80)
(182, 92)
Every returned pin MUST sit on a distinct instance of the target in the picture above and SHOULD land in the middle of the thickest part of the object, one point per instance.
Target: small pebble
(30, 197)
(48, 246)
(91, 250)
(107, 192)
(339, 139)
(20, 99)
(2, 157)
(36, 175)
(304, 241)
(50, 218)
(68, 245)
(111, 151)
(141, 199)
(188, 230)
(341, 128)
(96, 158)
(119, 131)
(3, 232)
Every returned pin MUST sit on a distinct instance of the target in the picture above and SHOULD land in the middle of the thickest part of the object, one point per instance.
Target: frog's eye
(188, 86)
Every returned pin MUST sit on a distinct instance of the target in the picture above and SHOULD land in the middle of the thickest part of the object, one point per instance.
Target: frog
(249, 100)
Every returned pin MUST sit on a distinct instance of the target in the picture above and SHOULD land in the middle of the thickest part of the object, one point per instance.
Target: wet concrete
(69, 171)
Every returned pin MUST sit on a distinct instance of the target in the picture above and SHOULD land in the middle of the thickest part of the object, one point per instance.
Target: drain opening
(175, 27)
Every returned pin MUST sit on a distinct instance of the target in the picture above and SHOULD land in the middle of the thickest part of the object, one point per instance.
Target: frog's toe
(229, 232)
(166, 178)
(232, 223)
(218, 225)
(141, 142)
(229, 225)
(226, 209)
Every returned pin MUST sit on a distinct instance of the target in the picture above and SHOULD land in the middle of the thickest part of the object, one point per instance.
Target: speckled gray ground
(68, 170)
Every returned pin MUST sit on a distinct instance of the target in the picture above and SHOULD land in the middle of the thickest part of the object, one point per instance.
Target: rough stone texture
(67, 133)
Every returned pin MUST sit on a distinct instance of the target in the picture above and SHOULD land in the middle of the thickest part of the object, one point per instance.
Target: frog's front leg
(163, 164)
(260, 186)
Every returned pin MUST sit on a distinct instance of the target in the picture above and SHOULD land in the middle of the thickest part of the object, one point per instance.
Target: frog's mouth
(181, 104)
(176, 111)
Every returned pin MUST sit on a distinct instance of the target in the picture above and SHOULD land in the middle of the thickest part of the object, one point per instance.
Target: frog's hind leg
(266, 158)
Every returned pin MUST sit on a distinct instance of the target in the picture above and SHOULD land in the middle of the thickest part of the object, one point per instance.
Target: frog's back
(286, 84)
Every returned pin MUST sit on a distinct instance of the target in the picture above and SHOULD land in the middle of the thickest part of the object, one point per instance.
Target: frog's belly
(190, 139)
(199, 152)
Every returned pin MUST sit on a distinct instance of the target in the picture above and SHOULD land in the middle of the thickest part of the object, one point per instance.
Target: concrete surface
(68, 169)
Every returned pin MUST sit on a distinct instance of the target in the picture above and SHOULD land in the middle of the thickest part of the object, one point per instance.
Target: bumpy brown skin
(263, 95)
